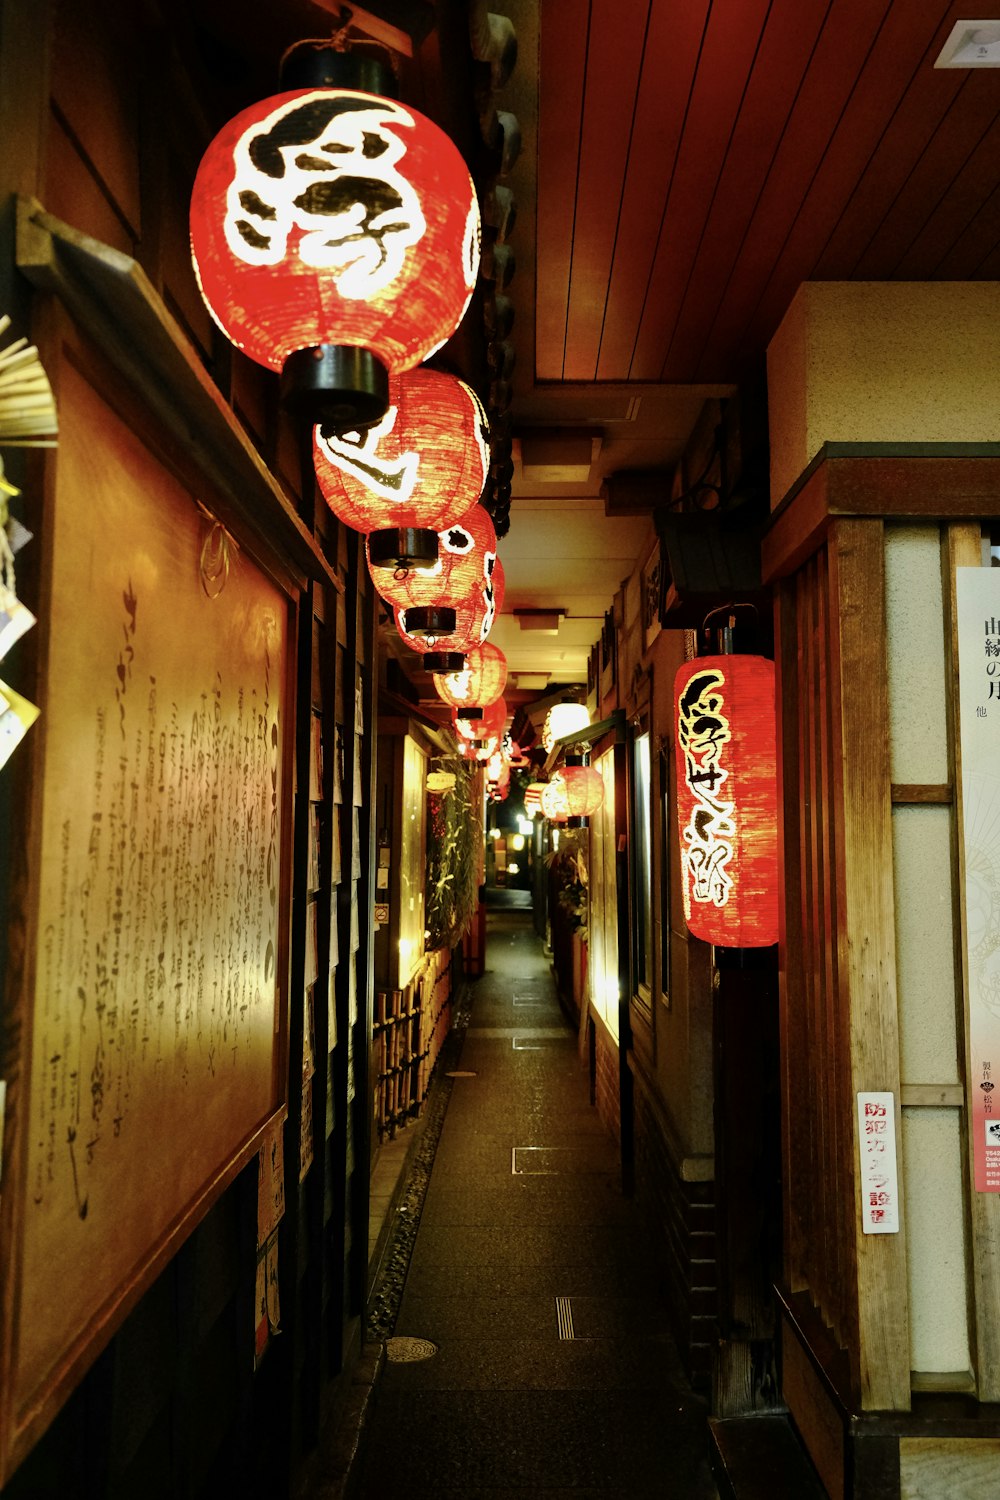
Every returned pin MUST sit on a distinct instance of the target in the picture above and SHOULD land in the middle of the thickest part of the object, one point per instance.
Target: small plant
(568, 867)
(454, 846)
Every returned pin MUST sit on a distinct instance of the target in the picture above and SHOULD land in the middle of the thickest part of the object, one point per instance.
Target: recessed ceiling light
(971, 44)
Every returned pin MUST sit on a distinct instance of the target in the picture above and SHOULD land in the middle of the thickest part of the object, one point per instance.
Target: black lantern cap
(311, 66)
(438, 619)
(403, 547)
(577, 823)
(444, 661)
(339, 386)
(468, 711)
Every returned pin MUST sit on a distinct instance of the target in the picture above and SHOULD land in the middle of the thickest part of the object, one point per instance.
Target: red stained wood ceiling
(699, 159)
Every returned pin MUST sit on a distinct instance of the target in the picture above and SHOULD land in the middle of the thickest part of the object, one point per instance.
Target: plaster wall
(882, 362)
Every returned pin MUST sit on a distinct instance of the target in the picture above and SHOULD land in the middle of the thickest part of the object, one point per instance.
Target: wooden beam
(866, 924)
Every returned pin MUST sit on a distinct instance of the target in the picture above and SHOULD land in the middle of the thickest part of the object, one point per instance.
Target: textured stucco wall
(856, 362)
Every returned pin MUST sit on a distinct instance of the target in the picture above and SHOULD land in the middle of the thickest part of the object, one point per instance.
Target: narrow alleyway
(554, 1373)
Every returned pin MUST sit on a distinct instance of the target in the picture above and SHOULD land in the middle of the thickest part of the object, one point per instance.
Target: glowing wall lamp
(727, 799)
(335, 235)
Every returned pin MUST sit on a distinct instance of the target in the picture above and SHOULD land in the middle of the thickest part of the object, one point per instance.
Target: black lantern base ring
(468, 712)
(577, 823)
(403, 547)
(338, 386)
(424, 620)
(444, 661)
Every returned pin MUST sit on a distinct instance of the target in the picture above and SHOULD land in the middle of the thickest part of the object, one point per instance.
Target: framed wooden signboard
(150, 1006)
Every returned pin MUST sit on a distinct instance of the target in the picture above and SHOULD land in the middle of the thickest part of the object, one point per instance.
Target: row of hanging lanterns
(336, 239)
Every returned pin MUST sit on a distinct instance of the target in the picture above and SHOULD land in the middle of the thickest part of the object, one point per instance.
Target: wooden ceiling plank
(963, 128)
(846, 40)
(790, 37)
(668, 67)
(973, 188)
(731, 42)
(561, 64)
(964, 260)
(614, 62)
(923, 111)
(910, 30)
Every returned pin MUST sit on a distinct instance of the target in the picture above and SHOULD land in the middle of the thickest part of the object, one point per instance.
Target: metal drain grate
(404, 1351)
(564, 1318)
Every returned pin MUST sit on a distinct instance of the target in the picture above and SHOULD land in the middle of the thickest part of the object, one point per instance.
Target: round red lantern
(553, 801)
(583, 790)
(533, 797)
(417, 470)
(455, 573)
(335, 236)
(481, 681)
(727, 799)
(467, 623)
(489, 726)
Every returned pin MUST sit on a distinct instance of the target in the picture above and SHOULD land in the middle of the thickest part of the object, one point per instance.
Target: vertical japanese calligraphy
(155, 1011)
(727, 799)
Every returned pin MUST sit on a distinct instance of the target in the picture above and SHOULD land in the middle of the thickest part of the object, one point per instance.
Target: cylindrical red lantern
(727, 799)
(421, 468)
(583, 789)
(333, 219)
(479, 684)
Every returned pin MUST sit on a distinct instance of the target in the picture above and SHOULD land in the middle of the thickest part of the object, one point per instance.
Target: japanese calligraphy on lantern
(877, 1150)
(978, 610)
(727, 799)
(702, 736)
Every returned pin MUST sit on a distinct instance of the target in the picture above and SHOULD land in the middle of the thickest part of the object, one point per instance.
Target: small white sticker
(877, 1149)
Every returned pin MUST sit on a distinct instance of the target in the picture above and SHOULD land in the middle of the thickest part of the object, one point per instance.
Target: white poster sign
(978, 606)
(877, 1150)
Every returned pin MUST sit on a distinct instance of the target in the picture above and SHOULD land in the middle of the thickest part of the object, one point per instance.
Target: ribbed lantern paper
(533, 797)
(423, 465)
(554, 805)
(474, 615)
(727, 799)
(480, 683)
(465, 549)
(332, 216)
(489, 726)
(583, 790)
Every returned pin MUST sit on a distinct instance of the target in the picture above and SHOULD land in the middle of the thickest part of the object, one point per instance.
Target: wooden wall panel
(562, 62)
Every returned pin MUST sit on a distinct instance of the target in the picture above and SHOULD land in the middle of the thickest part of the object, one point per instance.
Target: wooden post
(866, 923)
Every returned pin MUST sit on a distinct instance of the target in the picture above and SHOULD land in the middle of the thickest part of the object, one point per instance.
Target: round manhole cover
(400, 1351)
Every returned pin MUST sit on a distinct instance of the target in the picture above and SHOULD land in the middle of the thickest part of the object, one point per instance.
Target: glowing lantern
(563, 719)
(417, 470)
(443, 635)
(554, 801)
(727, 799)
(335, 235)
(583, 790)
(489, 726)
(481, 681)
(456, 571)
(533, 797)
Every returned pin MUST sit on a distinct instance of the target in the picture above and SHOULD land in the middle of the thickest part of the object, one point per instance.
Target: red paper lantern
(533, 797)
(480, 683)
(489, 726)
(554, 801)
(473, 620)
(422, 466)
(583, 790)
(462, 551)
(334, 218)
(727, 799)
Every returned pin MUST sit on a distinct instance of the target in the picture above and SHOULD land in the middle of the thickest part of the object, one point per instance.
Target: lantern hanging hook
(727, 629)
